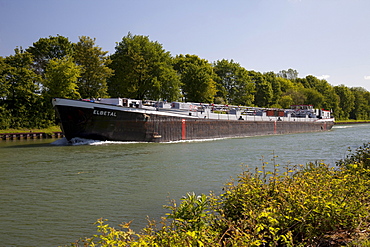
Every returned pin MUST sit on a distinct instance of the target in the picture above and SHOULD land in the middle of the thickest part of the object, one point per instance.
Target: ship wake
(77, 141)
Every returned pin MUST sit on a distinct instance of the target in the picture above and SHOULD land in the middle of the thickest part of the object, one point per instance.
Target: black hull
(115, 124)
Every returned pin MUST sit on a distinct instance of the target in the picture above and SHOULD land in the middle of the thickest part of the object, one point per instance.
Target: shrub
(360, 156)
(304, 207)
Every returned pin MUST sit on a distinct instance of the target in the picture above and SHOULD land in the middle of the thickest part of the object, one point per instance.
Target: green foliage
(308, 205)
(313, 97)
(286, 85)
(331, 101)
(143, 70)
(264, 92)
(19, 91)
(289, 74)
(311, 205)
(275, 82)
(233, 83)
(346, 101)
(297, 96)
(359, 158)
(285, 101)
(4, 87)
(197, 78)
(94, 68)
(48, 130)
(5, 118)
(192, 213)
(61, 78)
(361, 107)
(4, 92)
(49, 48)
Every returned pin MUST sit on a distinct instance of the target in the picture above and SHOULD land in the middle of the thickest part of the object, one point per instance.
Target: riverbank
(19, 134)
(352, 121)
(30, 135)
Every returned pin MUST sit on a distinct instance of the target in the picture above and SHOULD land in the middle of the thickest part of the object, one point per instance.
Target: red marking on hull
(183, 129)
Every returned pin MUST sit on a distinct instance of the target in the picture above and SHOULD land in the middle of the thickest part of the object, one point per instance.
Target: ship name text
(105, 113)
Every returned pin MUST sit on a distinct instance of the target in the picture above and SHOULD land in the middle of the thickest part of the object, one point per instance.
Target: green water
(52, 194)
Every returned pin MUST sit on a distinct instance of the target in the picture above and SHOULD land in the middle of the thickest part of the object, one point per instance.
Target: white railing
(254, 117)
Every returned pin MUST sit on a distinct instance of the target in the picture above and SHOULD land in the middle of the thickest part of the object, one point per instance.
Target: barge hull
(123, 125)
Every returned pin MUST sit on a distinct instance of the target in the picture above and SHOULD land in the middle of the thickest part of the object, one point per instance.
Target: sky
(329, 39)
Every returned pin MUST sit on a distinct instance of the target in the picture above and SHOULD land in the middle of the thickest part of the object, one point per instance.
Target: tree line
(142, 69)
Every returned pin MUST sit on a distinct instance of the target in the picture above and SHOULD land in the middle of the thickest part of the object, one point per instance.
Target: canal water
(51, 193)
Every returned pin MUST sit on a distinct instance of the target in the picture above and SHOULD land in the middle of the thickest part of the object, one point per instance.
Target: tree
(346, 103)
(46, 49)
(331, 100)
(366, 95)
(286, 101)
(143, 70)
(4, 91)
(313, 97)
(233, 83)
(94, 70)
(290, 74)
(196, 77)
(4, 87)
(61, 78)
(167, 83)
(361, 105)
(307, 82)
(286, 85)
(275, 85)
(297, 96)
(264, 93)
(19, 89)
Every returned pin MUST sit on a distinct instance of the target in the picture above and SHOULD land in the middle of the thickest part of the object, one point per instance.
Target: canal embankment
(352, 122)
(30, 135)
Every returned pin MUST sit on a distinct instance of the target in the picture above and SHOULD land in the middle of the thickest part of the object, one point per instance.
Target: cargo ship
(123, 119)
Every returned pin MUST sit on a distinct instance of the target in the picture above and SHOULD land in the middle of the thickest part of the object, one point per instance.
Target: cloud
(323, 77)
(367, 77)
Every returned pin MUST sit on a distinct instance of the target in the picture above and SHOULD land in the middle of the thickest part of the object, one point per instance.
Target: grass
(351, 121)
(25, 130)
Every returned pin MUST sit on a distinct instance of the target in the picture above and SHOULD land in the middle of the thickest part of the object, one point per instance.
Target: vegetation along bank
(19, 134)
(142, 69)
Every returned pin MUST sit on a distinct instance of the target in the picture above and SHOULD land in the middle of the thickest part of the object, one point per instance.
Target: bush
(361, 156)
(305, 207)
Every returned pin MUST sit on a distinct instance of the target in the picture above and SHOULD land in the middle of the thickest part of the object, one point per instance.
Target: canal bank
(351, 122)
(30, 135)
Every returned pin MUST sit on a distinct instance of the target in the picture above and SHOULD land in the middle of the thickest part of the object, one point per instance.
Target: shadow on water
(25, 144)
(50, 143)
(41, 143)
(33, 145)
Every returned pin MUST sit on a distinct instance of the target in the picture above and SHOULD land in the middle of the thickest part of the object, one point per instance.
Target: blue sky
(329, 39)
